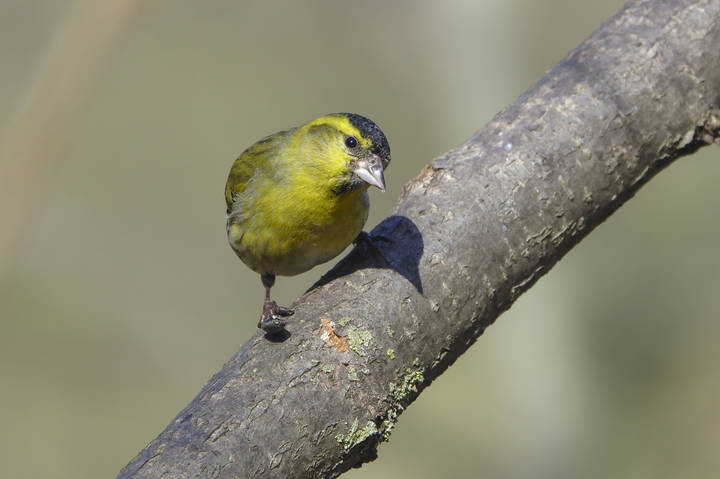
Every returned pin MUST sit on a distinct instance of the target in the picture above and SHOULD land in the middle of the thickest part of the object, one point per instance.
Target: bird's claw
(282, 311)
(272, 325)
(273, 317)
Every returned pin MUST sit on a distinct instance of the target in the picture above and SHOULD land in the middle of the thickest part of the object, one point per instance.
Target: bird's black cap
(370, 130)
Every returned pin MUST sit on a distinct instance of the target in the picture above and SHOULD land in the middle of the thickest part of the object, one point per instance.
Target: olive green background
(119, 296)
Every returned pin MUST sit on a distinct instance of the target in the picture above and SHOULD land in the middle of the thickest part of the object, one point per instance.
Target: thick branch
(472, 231)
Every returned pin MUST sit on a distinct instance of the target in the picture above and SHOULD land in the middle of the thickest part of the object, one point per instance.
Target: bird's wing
(256, 160)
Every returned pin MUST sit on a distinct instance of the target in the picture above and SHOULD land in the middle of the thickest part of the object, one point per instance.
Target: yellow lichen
(356, 435)
(358, 339)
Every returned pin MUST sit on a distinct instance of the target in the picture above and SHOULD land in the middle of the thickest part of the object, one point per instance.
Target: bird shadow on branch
(396, 243)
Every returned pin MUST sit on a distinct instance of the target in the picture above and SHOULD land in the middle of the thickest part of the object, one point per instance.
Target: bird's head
(353, 149)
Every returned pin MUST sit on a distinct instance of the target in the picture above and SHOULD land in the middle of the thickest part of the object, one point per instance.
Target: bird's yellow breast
(287, 234)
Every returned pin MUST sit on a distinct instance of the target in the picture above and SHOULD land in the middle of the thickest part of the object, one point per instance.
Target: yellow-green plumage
(294, 198)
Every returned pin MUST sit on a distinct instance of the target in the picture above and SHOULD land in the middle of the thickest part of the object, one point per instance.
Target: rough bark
(472, 231)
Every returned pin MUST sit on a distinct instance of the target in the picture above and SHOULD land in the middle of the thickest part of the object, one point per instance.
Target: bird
(298, 198)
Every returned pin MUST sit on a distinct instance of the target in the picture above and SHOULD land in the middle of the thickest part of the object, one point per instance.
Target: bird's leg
(272, 319)
(366, 240)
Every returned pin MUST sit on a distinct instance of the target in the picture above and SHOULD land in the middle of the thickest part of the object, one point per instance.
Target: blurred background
(119, 296)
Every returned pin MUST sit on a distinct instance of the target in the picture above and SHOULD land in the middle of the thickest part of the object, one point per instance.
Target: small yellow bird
(297, 198)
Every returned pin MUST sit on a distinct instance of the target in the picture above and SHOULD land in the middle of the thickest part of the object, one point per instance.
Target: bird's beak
(370, 170)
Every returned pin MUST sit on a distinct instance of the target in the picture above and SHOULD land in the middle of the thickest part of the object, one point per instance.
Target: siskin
(297, 198)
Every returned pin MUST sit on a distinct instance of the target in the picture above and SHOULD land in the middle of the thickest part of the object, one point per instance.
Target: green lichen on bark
(356, 435)
(358, 339)
(402, 394)
(409, 386)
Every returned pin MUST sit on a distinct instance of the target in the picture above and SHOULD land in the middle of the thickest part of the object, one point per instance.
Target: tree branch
(472, 231)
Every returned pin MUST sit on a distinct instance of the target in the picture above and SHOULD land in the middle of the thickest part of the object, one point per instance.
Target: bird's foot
(367, 241)
(273, 317)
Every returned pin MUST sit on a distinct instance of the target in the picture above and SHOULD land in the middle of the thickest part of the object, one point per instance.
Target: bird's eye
(351, 142)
